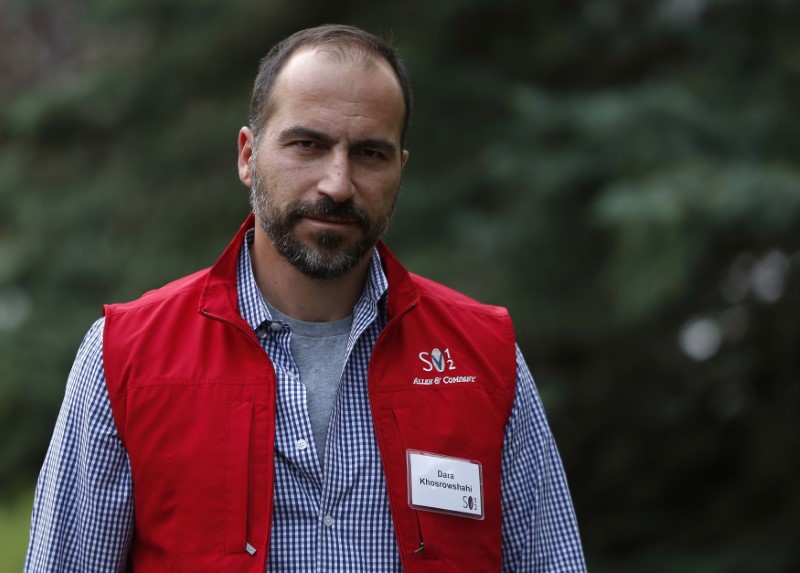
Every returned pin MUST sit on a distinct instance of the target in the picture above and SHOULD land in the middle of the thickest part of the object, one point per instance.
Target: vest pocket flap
(240, 422)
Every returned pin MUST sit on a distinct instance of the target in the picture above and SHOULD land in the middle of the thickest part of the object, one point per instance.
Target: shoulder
(88, 364)
(406, 287)
(191, 284)
(86, 387)
(441, 294)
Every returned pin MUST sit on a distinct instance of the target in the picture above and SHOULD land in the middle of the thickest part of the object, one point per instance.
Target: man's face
(325, 172)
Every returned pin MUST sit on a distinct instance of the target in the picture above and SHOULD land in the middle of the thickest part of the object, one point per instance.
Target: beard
(329, 254)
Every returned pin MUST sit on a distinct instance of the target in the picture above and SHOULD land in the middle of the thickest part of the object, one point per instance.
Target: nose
(336, 181)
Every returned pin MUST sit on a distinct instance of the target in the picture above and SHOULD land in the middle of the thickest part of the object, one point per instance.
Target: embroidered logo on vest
(439, 361)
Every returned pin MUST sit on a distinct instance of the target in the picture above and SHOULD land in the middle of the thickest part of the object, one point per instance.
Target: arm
(83, 509)
(540, 533)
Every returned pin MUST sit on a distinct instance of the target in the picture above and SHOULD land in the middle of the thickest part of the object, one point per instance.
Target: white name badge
(444, 484)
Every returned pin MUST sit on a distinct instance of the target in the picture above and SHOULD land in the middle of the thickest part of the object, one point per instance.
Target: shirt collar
(255, 311)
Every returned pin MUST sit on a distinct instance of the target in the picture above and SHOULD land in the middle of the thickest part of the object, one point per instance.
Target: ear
(246, 144)
(403, 158)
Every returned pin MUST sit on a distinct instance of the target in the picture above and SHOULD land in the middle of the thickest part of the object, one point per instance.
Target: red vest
(193, 397)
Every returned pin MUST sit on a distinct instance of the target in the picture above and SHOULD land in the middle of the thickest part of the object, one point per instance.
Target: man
(306, 404)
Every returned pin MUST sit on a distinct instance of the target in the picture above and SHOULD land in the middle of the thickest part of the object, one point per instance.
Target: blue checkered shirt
(335, 521)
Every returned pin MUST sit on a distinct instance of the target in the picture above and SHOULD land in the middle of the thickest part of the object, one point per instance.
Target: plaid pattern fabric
(336, 521)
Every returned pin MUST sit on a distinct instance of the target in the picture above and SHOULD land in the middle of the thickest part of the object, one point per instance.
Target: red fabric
(193, 398)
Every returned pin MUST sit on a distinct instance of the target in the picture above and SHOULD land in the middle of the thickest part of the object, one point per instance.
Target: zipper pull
(250, 549)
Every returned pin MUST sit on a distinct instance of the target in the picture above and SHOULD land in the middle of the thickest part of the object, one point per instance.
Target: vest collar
(220, 295)
(403, 293)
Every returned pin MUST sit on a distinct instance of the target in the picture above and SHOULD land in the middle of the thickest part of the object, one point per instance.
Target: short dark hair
(336, 36)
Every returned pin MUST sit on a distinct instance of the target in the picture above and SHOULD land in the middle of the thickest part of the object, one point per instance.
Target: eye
(305, 144)
(373, 154)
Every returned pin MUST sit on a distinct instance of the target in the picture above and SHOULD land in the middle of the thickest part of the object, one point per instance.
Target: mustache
(327, 208)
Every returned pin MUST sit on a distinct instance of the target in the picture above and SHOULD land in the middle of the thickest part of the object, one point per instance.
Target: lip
(330, 222)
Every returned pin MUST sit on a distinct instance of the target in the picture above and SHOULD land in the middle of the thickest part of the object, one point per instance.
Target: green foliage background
(623, 175)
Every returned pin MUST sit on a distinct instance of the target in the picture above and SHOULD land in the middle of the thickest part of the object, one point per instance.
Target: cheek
(386, 192)
(380, 205)
(286, 179)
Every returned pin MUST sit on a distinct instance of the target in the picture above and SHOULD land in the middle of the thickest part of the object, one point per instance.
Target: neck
(298, 295)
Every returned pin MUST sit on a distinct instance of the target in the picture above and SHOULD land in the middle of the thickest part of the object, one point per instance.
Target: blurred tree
(621, 174)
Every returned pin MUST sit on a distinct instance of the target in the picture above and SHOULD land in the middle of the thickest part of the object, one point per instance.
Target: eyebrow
(299, 131)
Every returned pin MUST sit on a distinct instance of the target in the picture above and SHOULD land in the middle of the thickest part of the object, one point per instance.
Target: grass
(15, 518)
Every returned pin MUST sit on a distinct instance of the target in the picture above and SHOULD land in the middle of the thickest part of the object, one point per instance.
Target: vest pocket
(237, 479)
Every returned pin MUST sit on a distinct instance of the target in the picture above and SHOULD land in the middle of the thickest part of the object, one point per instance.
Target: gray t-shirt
(318, 350)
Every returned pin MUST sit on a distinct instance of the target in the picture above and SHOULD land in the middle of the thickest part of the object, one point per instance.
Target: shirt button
(275, 326)
(301, 444)
(328, 521)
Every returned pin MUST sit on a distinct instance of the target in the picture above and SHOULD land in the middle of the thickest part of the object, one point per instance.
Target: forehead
(337, 85)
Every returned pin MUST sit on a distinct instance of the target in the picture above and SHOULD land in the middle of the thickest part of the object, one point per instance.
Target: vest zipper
(249, 548)
(388, 326)
(421, 547)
